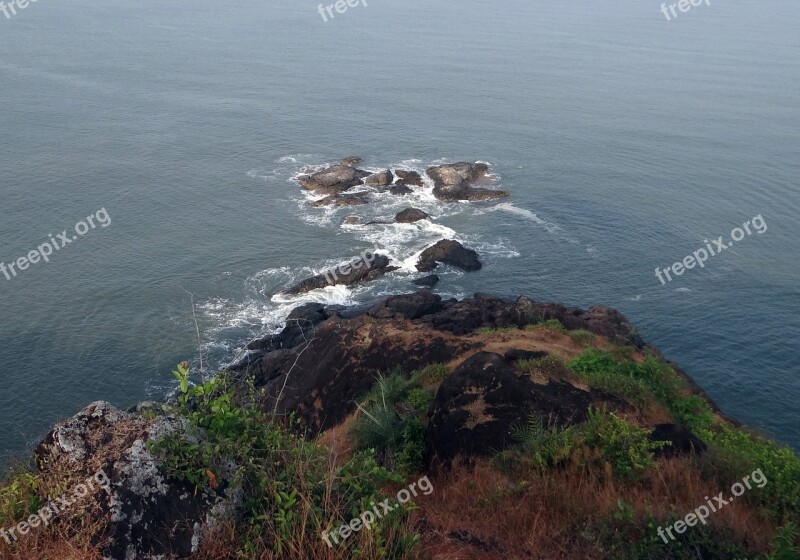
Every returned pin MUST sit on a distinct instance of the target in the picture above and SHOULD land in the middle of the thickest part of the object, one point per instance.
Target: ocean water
(626, 141)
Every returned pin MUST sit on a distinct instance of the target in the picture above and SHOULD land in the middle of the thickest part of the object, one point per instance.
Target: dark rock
(427, 281)
(456, 173)
(463, 191)
(681, 441)
(410, 215)
(449, 252)
(300, 325)
(351, 161)
(368, 267)
(400, 189)
(333, 180)
(517, 355)
(410, 306)
(477, 406)
(409, 177)
(354, 199)
(380, 179)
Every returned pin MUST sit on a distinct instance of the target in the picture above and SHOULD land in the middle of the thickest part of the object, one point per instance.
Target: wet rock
(427, 281)
(351, 161)
(400, 189)
(456, 173)
(409, 177)
(380, 179)
(463, 191)
(352, 221)
(333, 180)
(410, 215)
(368, 267)
(478, 404)
(354, 199)
(409, 306)
(449, 252)
(300, 325)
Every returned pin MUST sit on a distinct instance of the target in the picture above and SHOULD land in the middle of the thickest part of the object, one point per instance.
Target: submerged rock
(427, 281)
(449, 252)
(354, 199)
(400, 189)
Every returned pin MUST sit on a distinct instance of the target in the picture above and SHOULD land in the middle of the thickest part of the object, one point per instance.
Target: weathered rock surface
(409, 177)
(410, 215)
(477, 406)
(457, 173)
(358, 270)
(149, 516)
(380, 179)
(333, 180)
(449, 252)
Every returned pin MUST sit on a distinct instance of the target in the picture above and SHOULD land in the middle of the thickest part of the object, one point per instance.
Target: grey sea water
(626, 141)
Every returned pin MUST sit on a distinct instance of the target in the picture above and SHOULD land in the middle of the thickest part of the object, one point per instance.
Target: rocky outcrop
(457, 173)
(380, 179)
(148, 515)
(477, 406)
(368, 267)
(452, 182)
(409, 177)
(449, 252)
(333, 180)
(410, 215)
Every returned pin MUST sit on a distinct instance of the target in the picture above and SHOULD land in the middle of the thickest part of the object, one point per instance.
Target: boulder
(427, 281)
(477, 406)
(410, 215)
(368, 267)
(146, 514)
(352, 221)
(457, 173)
(300, 325)
(351, 161)
(333, 180)
(380, 179)
(400, 189)
(449, 252)
(409, 177)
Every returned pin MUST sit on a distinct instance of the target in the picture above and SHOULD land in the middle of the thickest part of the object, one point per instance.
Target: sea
(628, 141)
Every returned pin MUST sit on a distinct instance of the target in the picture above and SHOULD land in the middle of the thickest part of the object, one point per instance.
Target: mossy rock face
(478, 405)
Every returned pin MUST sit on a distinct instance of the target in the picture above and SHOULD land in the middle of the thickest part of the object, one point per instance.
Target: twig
(196, 328)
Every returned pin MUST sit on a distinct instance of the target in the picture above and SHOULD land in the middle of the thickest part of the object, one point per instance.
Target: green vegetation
(497, 330)
(19, 497)
(604, 440)
(552, 324)
(289, 491)
(551, 366)
(581, 336)
(390, 422)
(433, 373)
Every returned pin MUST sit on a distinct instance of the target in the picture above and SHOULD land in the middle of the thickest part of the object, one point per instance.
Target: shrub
(432, 373)
(582, 337)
